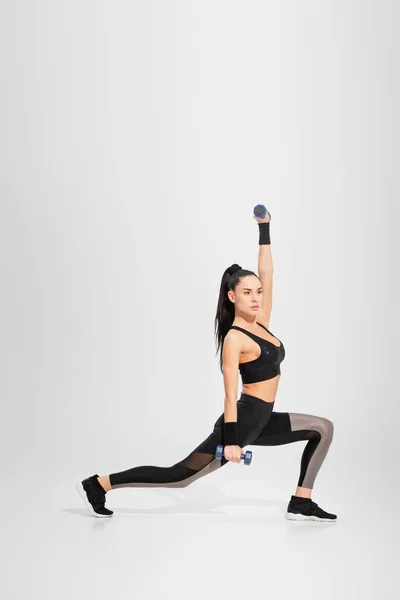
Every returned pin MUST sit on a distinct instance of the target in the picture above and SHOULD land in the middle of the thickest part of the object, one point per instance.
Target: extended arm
(265, 271)
(265, 264)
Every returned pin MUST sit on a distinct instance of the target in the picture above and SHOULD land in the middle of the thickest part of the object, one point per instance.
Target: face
(248, 293)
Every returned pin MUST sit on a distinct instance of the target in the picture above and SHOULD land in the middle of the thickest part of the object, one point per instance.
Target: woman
(241, 326)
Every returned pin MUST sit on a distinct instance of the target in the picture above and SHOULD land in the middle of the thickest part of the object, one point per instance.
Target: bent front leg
(286, 428)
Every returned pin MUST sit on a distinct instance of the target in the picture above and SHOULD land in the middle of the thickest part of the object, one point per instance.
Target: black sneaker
(304, 509)
(94, 496)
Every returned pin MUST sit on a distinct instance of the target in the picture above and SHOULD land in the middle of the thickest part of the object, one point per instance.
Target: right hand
(233, 453)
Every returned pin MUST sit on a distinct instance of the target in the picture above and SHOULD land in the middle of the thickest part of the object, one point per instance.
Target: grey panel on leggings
(212, 466)
(325, 428)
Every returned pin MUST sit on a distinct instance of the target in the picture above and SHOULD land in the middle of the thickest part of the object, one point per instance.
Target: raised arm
(265, 269)
(264, 255)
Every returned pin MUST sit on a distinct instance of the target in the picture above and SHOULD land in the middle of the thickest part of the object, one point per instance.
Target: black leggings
(258, 425)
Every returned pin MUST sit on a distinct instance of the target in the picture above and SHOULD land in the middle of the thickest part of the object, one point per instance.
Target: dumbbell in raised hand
(260, 211)
(245, 457)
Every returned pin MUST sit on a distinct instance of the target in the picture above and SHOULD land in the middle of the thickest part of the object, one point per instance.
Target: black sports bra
(267, 365)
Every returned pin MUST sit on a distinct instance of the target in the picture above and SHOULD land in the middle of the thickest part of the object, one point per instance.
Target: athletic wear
(264, 236)
(267, 365)
(304, 509)
(231, 433)
(259, 425)
(94, 495)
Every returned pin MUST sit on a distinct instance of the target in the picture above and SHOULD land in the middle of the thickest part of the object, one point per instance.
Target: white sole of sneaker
(299, 517)
(84, 497)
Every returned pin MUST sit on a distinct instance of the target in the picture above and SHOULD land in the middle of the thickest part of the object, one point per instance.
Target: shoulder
(233, 340)
(232, 350)
(233, 336)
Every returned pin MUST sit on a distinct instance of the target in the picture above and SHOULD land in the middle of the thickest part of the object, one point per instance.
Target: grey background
(136, 138)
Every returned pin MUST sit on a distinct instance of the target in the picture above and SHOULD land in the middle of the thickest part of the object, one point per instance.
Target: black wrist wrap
(264, 237)
(231, 434)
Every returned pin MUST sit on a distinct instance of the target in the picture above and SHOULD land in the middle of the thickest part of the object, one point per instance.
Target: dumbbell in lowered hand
(245, 457)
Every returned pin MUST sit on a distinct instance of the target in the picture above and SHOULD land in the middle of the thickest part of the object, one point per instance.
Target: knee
(327, 429)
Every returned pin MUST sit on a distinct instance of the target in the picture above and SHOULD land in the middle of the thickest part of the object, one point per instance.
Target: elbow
(230, 398)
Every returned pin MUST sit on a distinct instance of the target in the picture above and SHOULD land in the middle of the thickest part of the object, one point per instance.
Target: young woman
(247, 345)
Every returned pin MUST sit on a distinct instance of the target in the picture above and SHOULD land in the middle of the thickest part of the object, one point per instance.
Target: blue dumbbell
(260, 211)
(246, 457)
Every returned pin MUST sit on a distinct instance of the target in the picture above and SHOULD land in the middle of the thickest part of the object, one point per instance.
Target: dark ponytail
(226, 309)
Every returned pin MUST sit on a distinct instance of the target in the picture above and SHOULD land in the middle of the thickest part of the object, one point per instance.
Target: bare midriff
(265, 390)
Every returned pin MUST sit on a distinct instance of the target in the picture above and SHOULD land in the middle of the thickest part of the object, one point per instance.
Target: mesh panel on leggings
(197, 460)
(198, 463)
